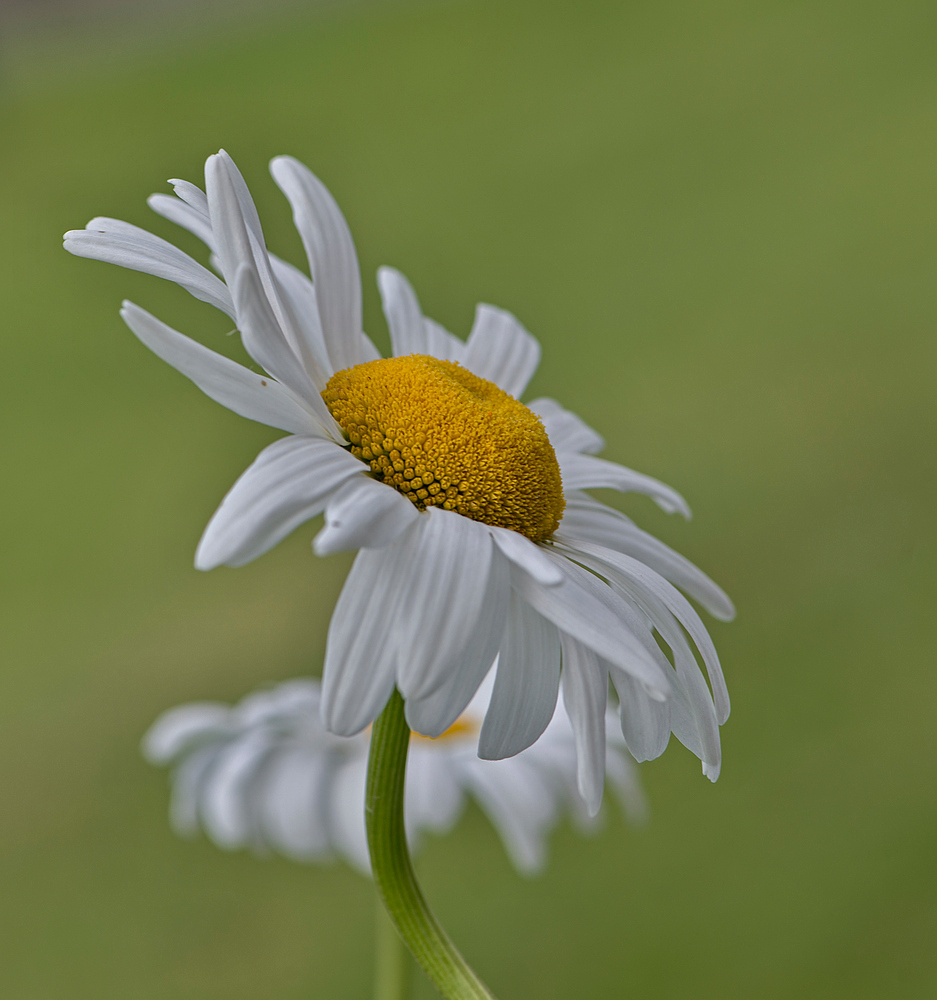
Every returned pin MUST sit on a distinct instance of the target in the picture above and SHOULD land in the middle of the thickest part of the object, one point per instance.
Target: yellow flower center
(446, 438)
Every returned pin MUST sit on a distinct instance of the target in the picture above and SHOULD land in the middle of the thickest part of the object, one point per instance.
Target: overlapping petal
(593, 521)
(288, 483)
(363, 514)
(501, 350)
(526, 683)
(585, 694)
(585, 472)
(441, 608)
(265, 774)
(245, 392)
(567, 431)
(116, 242)
(332, 258)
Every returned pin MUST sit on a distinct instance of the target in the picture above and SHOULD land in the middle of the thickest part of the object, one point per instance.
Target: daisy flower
(267, 774)
(476, 535)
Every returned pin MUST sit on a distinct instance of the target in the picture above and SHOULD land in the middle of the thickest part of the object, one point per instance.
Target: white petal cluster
(266, 774)
(433, 597)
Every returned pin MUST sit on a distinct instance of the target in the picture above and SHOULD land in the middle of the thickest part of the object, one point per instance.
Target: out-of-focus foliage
(720, 221)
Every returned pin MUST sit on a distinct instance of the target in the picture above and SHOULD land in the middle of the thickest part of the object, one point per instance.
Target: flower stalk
(392, 962)
(392, 868)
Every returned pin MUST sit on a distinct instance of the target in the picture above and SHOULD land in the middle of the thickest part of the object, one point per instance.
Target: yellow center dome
(446, 438)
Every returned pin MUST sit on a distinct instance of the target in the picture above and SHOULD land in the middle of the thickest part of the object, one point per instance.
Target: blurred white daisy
(476, 537)
(267, 775)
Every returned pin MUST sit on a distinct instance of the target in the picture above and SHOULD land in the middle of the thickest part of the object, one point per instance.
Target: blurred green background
(720, 220)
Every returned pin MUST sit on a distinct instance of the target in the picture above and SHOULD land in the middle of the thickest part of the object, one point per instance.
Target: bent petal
(247, 393)
(116, 242)
(645, 723)
(265, 342)
(641, 583)
(592, 521)
(240, 243)
(585, 472)
(288, 483)
(586, 609)
(526, 684)
(299, 301)
(363, 514)
(501, 350)
(585, 694)
(566, 431)
(333, 262)
(185, 215)
(527, 556)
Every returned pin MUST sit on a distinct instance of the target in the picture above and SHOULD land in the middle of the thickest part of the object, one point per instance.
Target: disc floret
(446, 438)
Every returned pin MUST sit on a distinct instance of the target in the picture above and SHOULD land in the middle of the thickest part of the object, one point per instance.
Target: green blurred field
(721, 222)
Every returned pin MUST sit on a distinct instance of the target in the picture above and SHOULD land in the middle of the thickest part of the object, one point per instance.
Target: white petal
(645, 723)
(593, 521)
(402, 309)
(693, 715)
(440, 343)
(441, 607)
(227, 809)
(526, 684)
(363, 514)
(527, 556)
(366, 349)
(585, 693)
(187, 783)
(299, 300)
(588, 610)
(566, 431)
(361, 652)
(234, 218)
(292, 803)
(117, 242)
(346, 814)
(332, 258)
(284, 705)
(191, 194)
(434, 795)
(288, 483)
(254, 396)
(640, 580)
(519, 803)
(435, 712)
(240, 244)
(501, 350)
(177, 211)
(175, 731)
(265, 342)
(584, 472)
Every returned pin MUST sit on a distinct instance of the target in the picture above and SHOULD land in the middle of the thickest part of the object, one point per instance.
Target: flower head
(267, 775)
(476, 537)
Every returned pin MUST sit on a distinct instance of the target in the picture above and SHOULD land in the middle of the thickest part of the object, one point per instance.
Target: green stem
(391, 959)
(390, 861)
